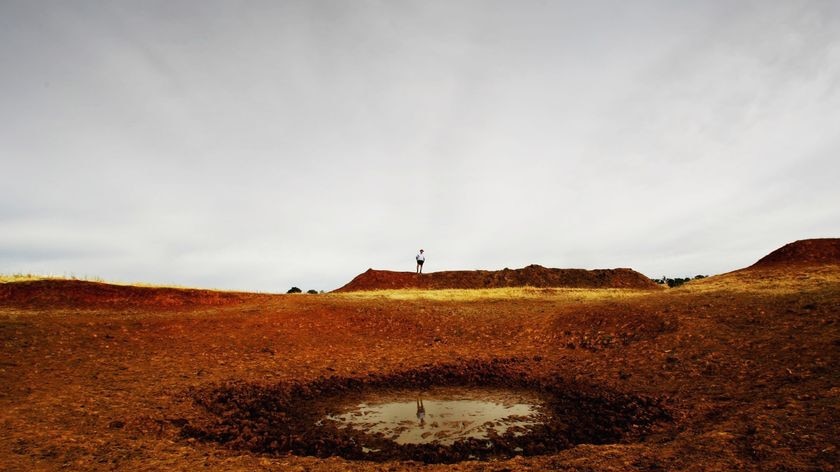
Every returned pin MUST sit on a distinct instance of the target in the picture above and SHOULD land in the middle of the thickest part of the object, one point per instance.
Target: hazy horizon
(261, 145)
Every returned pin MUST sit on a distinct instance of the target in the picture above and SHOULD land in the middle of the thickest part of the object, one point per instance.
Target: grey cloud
(260, 145)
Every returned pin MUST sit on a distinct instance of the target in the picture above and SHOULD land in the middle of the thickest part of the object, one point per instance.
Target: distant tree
(294, 290)
(676, 282)
(312, 292)
(700, 276)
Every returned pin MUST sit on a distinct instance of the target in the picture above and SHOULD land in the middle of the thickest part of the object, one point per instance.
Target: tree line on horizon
(298, 290)
(676, 281)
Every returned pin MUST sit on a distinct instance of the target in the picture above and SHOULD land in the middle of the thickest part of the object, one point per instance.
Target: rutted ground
(745, 364)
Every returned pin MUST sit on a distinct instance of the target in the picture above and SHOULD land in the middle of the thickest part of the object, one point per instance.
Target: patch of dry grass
(506, 293)
(770, 281)
(5, 278)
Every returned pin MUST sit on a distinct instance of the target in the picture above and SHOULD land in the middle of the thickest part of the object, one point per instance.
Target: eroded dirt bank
(749, 378)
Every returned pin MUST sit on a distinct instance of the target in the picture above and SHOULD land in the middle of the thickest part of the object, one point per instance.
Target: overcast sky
(258, 145)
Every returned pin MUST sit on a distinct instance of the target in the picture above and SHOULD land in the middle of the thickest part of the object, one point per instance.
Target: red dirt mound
(805, 252)
(531, 276)
(75, 293)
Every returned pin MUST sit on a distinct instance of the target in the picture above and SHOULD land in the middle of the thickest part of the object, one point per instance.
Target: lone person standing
(420, 260)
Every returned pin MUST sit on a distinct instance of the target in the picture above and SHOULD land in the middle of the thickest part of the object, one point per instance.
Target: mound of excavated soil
(75, 293)
(804, 252)
(531, 276)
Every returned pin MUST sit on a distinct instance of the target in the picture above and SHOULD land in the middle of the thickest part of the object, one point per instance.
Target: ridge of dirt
(78, 293)
(819, 251)
(530, 276)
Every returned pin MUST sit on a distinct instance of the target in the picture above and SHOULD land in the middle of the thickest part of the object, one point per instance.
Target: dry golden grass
(507, 293)
(773, 281)
(5, 278)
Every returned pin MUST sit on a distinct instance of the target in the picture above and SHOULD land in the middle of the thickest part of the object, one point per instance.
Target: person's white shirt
(420, 256)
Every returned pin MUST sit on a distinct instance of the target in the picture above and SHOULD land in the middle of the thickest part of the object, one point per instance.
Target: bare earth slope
(56, 293)
(805, 252)
(531, 276)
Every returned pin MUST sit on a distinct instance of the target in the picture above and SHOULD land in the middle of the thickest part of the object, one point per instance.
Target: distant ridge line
(77, 293)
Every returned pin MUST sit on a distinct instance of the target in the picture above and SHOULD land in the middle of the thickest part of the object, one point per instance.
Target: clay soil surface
(733, 372)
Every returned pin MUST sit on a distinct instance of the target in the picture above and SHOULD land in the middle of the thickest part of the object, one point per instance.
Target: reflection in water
(421, 412)
(446, 415)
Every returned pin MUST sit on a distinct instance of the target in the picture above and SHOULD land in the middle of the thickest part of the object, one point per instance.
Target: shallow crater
(440, 413)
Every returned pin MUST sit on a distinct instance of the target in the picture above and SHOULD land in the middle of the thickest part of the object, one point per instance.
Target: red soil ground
(531, 276)
(80, 293)
(806, 252)
(97, 377)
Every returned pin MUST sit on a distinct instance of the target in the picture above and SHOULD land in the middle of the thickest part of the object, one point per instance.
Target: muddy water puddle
(442, 415)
